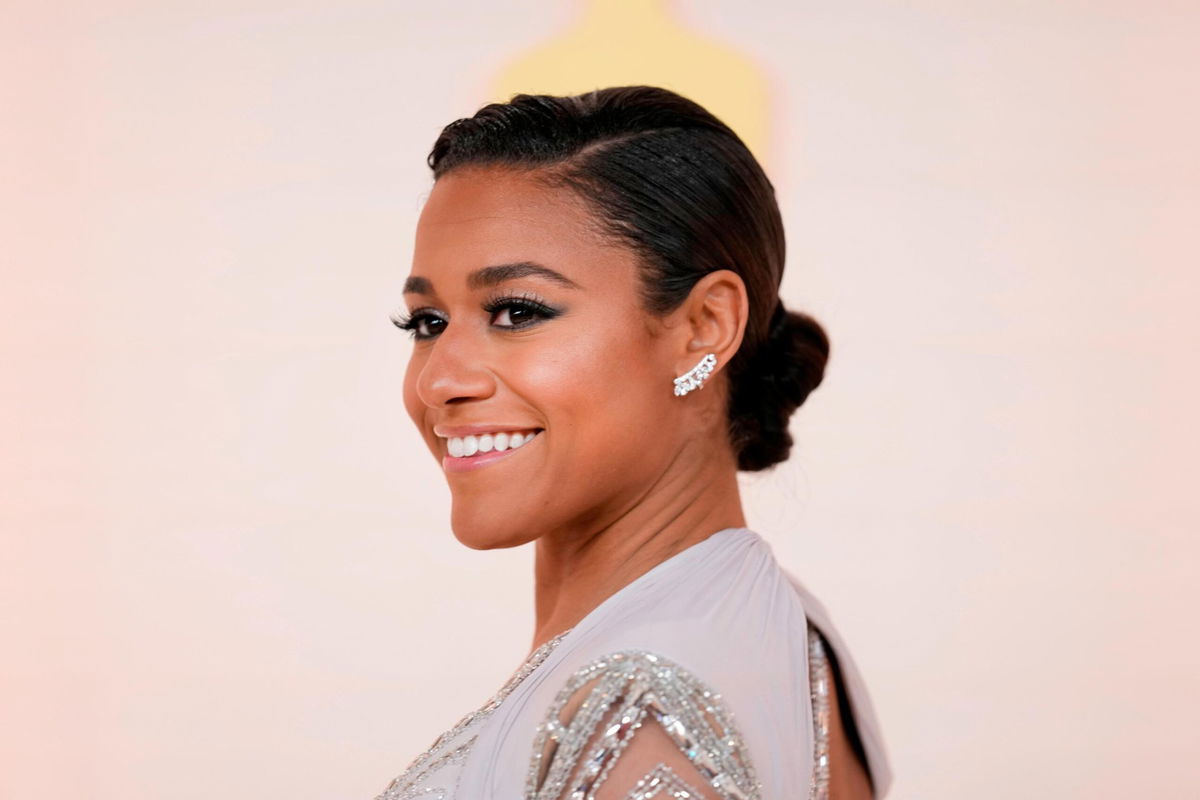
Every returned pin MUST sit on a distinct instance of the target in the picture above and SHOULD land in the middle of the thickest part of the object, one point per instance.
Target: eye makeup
(533, 310)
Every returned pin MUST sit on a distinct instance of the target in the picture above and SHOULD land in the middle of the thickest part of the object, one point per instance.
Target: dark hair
(677, 185)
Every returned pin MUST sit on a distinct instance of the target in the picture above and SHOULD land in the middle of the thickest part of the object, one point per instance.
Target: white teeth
(464, 446)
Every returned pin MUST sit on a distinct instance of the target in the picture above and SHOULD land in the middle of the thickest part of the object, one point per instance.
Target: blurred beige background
(225, 565)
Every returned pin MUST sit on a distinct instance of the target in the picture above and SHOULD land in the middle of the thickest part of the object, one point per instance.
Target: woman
(599, 348)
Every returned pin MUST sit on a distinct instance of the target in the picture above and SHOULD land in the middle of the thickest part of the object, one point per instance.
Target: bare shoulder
(848, 779)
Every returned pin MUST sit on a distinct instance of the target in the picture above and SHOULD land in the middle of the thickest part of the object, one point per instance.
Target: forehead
(476, 217)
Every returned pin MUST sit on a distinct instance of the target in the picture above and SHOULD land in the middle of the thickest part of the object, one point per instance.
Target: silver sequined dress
(707, 677)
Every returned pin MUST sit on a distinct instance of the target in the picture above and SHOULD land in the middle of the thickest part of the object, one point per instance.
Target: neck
(576, 570)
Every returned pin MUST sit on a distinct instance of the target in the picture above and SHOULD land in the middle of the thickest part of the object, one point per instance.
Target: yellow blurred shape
(624, 42)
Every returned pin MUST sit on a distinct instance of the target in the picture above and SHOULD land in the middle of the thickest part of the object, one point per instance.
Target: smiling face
(525, 321)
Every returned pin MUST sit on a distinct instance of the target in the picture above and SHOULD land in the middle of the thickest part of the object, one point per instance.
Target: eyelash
(522, 301)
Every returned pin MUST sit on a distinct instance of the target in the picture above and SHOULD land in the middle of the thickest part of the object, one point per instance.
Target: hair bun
(774, 381)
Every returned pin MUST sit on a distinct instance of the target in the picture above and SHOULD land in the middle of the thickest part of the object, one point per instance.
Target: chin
(489, 531)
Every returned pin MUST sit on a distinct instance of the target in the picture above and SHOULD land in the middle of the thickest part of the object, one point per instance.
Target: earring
(696, 376)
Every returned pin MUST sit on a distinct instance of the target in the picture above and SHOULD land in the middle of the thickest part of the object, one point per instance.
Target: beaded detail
(636, 685)
(662, 780)
(427, 776)
(818, 679)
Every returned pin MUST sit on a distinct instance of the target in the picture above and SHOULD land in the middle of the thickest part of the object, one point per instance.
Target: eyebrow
(491, 276)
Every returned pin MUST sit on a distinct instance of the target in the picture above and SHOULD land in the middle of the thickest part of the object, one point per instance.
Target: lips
(469, 445)
(479, 457)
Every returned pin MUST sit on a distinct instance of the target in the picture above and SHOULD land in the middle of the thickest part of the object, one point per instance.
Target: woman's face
(502, 347)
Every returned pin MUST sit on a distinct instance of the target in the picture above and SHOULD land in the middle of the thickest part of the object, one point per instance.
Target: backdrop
(227, 569)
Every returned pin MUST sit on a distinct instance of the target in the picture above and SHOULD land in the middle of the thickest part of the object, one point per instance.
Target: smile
(475, 451)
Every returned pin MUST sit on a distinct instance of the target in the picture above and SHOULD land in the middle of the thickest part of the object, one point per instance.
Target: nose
(454, 369)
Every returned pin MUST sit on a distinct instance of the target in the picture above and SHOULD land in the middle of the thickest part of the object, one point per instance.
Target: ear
(714, 317)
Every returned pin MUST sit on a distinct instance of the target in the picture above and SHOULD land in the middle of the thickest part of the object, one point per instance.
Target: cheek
(601, 396)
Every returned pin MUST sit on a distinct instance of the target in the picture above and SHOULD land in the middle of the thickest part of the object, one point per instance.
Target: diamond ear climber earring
(695, 377)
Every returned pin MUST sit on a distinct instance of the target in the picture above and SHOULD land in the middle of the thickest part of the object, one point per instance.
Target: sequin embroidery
(637, 685)
(632, 686)
(662, 780)
(818, 681)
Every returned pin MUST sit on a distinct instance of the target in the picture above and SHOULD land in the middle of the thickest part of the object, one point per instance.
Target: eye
(518, 311)
(513, 312)
(421, 324)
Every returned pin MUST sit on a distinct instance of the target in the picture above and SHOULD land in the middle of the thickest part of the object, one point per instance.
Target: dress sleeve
(634, 725)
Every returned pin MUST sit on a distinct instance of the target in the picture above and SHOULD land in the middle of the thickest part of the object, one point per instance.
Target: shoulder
(691, 680)
(632, 724)
(723, 620)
